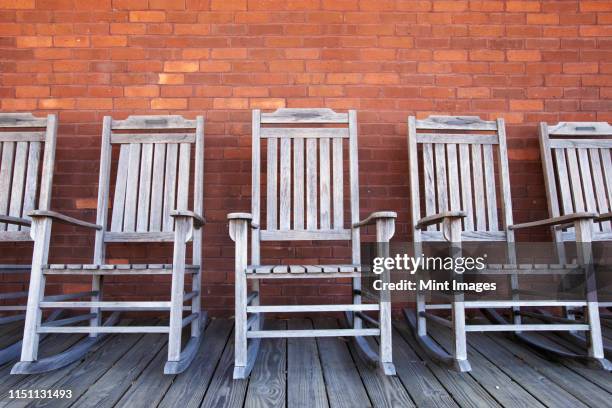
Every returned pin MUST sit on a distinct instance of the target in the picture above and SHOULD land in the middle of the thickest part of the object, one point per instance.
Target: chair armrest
(63, 219)
(242, 216)
(554, 221)
(198, 220)
(438, 218)
(15, 220)
(604, 217)
(375, 216)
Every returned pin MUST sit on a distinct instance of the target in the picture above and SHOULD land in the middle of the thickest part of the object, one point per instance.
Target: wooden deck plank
(268, 381)
(113, 384)
(51, 345)
(344, 386)
(223, 390)
(464, 389)
(188, 389)
(305, 383)
(384, 391)
(89, 370)
(416, 375)
(539, 386)
(495, 381)
(569, 380)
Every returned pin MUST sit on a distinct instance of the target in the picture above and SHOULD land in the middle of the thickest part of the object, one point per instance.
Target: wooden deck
(126, 371)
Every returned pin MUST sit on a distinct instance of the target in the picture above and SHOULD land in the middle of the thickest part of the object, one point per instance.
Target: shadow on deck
(127, 371)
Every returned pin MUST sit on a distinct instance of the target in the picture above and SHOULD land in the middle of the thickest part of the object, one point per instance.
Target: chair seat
(334, 270)
(112, 269)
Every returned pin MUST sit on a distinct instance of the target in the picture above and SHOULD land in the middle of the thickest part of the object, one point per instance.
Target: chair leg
(178, 288)
(459, 337)
(241, 355)
(41, 230)
(386, 348)
(96, 286)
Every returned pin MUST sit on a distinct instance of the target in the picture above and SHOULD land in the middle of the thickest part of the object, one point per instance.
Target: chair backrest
(453, 165)
(152, 177)
(578, 171)
(305, 173)
(23, 137)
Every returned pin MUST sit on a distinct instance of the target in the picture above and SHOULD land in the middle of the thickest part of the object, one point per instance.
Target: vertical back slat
(31, 184)
(441, 178)
(120, 189)
(429, 179)
(325, 183)
(564, 187)
(6, 173)
(182, 194)
(144, 188)
(479, 192)
(489, 170)
(466, 186)
(298, 183)
(170, 186)
(338, 183)
(285, 184)
(606, 163)
(272, 185)
(599, 187)
(354, 183)
(311, 184)
(157, 187)
(131, 194)
(587, 183)
(19, 172)
(453, 178)
(576, 184)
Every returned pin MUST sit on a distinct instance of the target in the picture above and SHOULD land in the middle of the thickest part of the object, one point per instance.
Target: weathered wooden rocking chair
(578, 175)
(150, 204)
(23, 138)
(461, 205)
(304, 172)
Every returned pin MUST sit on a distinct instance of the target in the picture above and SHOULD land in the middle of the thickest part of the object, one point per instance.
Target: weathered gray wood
(120, 189)
(19, 173)
(305, 384)
(343, 383)
(305, 235)
(429, 180)
(298, 184)
(489, 173)
(311, 184)
(21, 119)
(166, 138)
(189, 388)
(271, 186)
(466, 186)
(456, 138)
(114, 383)
(140, 122)
(599, 188)
(144, 188)
(441, 178)
(170, 187)
(182, 194)
(157, 188)
(268, 380)
(288, 115)
(285, 184)
(580, 128)
(6, 175)
(455, 123)
(22, 136)
(324, 184)
(303, 133)
(131, 194)
(338, 183)
(465, 390)
(479, 190)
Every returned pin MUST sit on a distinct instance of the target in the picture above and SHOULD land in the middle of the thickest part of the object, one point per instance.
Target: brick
(17, 4)
(580, 68)
(266, 103)
(523, 55)
(34, 42)
(523, 6)
(71, 41)
(109, 41)
(596, 31)
(450, 55)
(474, 92)
(181, 66)
(228, 5)
(543, 18)
(147, 16)
(231, 103)
(169, 103)
(454, 6)
(171, 79)
(31, 91)
(526, 105)
(141, 90)
(486, 55)
(215, 66)
(66, 103)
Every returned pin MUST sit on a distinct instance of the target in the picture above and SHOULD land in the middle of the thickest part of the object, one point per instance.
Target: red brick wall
(524, 60)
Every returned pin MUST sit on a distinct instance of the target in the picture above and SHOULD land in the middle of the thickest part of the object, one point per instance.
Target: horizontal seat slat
(111, 304)
(525, 327)
(302, 269)
(104, 329)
